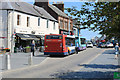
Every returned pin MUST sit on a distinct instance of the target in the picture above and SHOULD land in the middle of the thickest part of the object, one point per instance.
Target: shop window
(18, 19)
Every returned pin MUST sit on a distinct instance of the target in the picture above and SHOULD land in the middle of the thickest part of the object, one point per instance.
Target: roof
(44, 13)
(58, 11)
(26, 8)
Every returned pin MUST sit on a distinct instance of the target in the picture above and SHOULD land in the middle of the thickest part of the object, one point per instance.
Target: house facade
(23, 22)
(65, 23)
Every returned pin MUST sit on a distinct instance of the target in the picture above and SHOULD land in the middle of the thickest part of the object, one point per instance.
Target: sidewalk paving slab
(20, 60)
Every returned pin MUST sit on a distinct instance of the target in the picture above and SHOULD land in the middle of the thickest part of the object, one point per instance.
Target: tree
(104, 15)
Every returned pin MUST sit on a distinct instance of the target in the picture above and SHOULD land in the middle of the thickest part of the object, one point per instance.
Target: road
(56, 65)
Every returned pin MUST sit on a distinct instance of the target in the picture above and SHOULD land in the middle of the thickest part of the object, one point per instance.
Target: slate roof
(58, 11)
(26, 8)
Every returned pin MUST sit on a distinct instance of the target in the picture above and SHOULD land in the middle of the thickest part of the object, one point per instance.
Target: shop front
(23, 41)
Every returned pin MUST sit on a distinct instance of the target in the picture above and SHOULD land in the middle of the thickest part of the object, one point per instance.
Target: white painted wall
(40, 30)
(3, 28)
(22, 28)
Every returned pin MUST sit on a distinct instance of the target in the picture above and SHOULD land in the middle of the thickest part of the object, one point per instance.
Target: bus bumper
(79, 49)
(55, 53)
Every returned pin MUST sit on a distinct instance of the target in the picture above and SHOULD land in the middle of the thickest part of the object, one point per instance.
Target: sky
(68, 4)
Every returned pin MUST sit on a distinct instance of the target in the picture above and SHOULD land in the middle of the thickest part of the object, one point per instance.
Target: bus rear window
(54, 37)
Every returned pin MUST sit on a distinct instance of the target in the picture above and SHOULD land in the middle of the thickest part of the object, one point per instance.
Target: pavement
(21, 60)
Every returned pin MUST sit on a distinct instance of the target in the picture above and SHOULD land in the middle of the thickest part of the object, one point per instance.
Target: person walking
(76, 48)
(33, 47)
(116, 51)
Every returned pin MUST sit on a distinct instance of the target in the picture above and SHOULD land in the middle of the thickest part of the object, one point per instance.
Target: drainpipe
(69, 25)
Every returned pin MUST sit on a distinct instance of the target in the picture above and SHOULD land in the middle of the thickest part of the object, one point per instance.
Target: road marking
(87, 62)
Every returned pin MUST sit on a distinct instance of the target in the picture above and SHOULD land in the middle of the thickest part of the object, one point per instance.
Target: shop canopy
(27, 37)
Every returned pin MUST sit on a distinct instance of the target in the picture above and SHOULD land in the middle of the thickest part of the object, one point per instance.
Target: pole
(30, 59)
(7, 62)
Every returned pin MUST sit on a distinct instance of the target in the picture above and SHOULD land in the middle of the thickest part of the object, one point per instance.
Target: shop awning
(27, 37)
(40, 36)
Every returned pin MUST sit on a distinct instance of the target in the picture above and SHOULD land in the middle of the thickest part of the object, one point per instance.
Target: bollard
(7, 62)
(30, 59)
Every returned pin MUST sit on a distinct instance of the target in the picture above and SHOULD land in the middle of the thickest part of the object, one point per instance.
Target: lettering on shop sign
(23, 31)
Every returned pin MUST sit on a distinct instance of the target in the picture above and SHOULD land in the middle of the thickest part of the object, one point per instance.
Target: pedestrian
(116, 51)
(76, 48)
(33, 47)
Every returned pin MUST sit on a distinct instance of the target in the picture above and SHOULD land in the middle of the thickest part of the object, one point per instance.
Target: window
(47, 23)
(83, 40)
(66, 24)
(18, 19)
(61, 23)
(54, 37)
(38, 21)
(70, 41)
(28, 21)
(54, 25)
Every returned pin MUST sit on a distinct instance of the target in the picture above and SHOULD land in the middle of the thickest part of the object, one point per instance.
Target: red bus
(59, 44)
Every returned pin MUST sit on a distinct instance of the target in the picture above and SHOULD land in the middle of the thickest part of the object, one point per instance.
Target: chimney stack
(59, 5)
(42, 3)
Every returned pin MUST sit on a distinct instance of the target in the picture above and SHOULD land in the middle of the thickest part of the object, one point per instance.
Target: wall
(39, 30)
(23, 29)
(3, 28)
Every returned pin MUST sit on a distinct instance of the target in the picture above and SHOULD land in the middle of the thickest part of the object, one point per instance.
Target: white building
(27, 21)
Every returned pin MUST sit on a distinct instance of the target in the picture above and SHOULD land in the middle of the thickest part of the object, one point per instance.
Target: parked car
(109, 45)
(89, 44)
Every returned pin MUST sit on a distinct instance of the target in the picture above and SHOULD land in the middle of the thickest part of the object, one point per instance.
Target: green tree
(104, 15)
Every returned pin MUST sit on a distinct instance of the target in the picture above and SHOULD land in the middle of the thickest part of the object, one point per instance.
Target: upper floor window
(66, 24)
(28, 21)
(54, 25)
(47, 23)
(18, 19)
(61, 23)
(38, 21)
